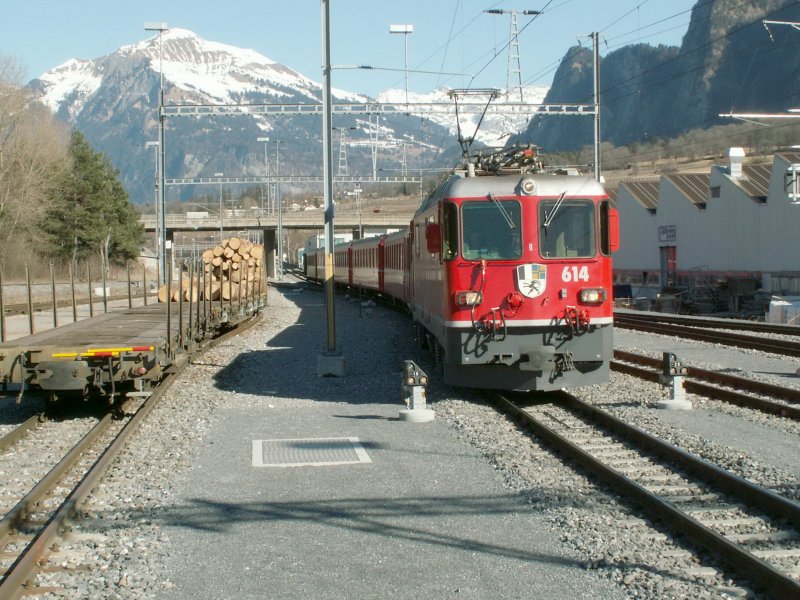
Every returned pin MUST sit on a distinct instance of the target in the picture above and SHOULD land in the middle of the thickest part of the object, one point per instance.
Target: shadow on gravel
(427, 521)
(366, 417)
(12, 413)
(776, 374)
(65, 409)
(374, 341)
(424, 520)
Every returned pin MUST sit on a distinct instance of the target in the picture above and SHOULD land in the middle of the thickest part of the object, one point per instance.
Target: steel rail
(781, 347)
(25, 506)
(758, 387)
(11, 585)
(14, 436)
(760, 572)
(710, 322)
(716, 393)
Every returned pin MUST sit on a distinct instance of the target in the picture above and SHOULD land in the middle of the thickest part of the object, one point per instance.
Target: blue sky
(451, 36)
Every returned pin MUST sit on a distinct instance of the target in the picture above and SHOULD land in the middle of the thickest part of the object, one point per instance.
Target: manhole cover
(315, 452)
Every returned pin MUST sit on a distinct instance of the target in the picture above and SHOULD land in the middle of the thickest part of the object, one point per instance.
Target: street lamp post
(358, 208)
(159, 246)
(279, 200)
(161, 28)
(357, 193)
(266, 172)
(221, 234)
(331, 362)
(405, 30)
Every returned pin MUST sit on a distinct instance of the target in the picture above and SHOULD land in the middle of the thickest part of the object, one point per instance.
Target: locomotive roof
(460, 186)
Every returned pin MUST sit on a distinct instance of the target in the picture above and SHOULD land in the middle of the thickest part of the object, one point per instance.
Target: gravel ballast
(136, 549)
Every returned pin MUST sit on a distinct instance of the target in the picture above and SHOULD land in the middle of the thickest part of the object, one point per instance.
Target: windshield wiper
(503, 211)
(548, 219)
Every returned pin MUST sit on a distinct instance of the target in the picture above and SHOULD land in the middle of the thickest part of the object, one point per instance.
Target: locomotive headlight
(470, 298)
(528, 186)
(593, 295)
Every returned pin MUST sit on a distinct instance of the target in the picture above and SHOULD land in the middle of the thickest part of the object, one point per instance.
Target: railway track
(712, 336)
(27, 529)
(709, 322)
(13, 436)
(719, 386)
(755, 531)
(30, 528)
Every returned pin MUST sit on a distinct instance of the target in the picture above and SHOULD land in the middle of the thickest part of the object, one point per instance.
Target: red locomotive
(507, 276)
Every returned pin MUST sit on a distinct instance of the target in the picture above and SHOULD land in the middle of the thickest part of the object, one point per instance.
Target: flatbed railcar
(117, 353)
(507, 274)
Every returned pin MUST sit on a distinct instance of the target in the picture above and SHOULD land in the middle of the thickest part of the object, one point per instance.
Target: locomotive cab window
(567, 228)
(449, 230)
(491, 229)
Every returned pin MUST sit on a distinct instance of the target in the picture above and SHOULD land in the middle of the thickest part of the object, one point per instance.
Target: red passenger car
(364, 263)
(394, 266)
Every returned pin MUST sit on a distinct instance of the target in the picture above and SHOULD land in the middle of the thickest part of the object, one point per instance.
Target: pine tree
(90, 211)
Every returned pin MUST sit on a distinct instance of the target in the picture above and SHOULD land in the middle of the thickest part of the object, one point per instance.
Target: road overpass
(237, 221)
(257, 219)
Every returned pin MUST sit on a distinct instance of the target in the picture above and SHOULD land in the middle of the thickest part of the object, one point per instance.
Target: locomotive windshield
(491, 230)
(566, 228)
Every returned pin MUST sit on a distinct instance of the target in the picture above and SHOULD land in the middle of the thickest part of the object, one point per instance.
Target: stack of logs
(232, 267)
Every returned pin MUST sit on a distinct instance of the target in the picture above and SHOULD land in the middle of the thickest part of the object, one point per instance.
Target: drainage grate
(315, 452)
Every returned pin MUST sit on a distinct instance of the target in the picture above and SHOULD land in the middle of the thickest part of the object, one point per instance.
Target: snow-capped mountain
(113, 100)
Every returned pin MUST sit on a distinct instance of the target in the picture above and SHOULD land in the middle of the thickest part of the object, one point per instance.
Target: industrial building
(726, 240)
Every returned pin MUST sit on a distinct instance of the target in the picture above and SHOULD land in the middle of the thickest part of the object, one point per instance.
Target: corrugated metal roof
(755, 181)
(790, 157)
(612, 196)
(694, 186)
(644, 192)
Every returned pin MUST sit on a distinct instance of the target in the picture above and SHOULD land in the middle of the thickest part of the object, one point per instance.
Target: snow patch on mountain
(75, 80)
(493, 130)
(212, 72)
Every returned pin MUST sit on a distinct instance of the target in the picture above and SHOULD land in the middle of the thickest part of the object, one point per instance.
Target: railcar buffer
(413, 386)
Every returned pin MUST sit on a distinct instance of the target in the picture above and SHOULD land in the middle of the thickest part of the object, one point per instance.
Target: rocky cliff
(728, 61)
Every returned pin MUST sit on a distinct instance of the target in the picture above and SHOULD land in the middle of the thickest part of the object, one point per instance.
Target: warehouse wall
(638, 235)
(734, 236)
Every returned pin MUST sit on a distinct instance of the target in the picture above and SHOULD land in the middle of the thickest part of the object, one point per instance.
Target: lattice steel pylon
(342, 153)
(513, 57)
(373, 138)
(514, 64)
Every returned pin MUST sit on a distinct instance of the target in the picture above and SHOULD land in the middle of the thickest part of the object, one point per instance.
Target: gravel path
(123, 549)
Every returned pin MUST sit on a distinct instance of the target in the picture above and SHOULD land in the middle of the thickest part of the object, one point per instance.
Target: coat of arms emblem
(531, 279)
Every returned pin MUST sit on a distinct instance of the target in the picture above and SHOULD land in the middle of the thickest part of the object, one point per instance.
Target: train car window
(566, 229)
(491, 229)
(449, 230)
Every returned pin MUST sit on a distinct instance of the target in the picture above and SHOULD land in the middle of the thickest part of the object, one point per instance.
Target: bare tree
(32, 151)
